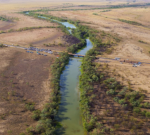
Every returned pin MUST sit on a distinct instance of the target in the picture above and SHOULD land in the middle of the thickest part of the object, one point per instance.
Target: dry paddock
(24, 78)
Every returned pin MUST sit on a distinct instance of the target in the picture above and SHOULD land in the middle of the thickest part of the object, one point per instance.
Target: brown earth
(24, 78)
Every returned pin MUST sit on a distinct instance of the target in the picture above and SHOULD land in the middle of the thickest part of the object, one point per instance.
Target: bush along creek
(64, 102)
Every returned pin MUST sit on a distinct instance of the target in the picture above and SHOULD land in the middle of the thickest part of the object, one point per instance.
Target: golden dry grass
(23, 21)
(40, 36)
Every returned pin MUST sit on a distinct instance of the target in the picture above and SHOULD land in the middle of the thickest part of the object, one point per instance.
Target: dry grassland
(34, 37)
(24, 78)
(23, 21)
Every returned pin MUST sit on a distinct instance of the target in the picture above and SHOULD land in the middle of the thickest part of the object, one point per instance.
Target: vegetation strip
(47, 123)
(27, 28)
(130, 22)
(107, 7)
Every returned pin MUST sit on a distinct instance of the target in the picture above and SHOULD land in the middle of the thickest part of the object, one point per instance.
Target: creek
(69, 113)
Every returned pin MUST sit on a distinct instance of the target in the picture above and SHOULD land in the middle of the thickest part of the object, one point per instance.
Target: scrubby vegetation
(1, 45)
(95, 14)
(106, 10)
(7, 19)
(3, 18)
(27, 28)
(46, 118)
(142, 42)
(88, 76)
(107, 106)
(130, 22)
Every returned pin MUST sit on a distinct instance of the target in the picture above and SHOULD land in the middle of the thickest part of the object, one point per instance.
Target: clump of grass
(30, 106)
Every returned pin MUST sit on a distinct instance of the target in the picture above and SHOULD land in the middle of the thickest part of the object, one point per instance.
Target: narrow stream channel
(69, 113)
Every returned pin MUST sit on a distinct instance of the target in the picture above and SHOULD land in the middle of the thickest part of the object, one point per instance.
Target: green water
(69, 113)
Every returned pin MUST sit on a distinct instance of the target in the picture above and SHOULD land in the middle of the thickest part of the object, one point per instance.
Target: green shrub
(30, 106)
(146, 105)
(143, 113)
(135, 103)
(121, 101)
(1, 45)
(122, 92)
(147, 114)
(110, 92)
(116, 99)
(22, 134)
(36, 115)
(137, 110)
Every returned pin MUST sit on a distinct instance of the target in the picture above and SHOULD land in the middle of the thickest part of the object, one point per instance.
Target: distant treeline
(107, 7)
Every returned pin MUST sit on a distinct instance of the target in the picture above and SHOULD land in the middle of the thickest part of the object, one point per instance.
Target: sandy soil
(30, 76)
